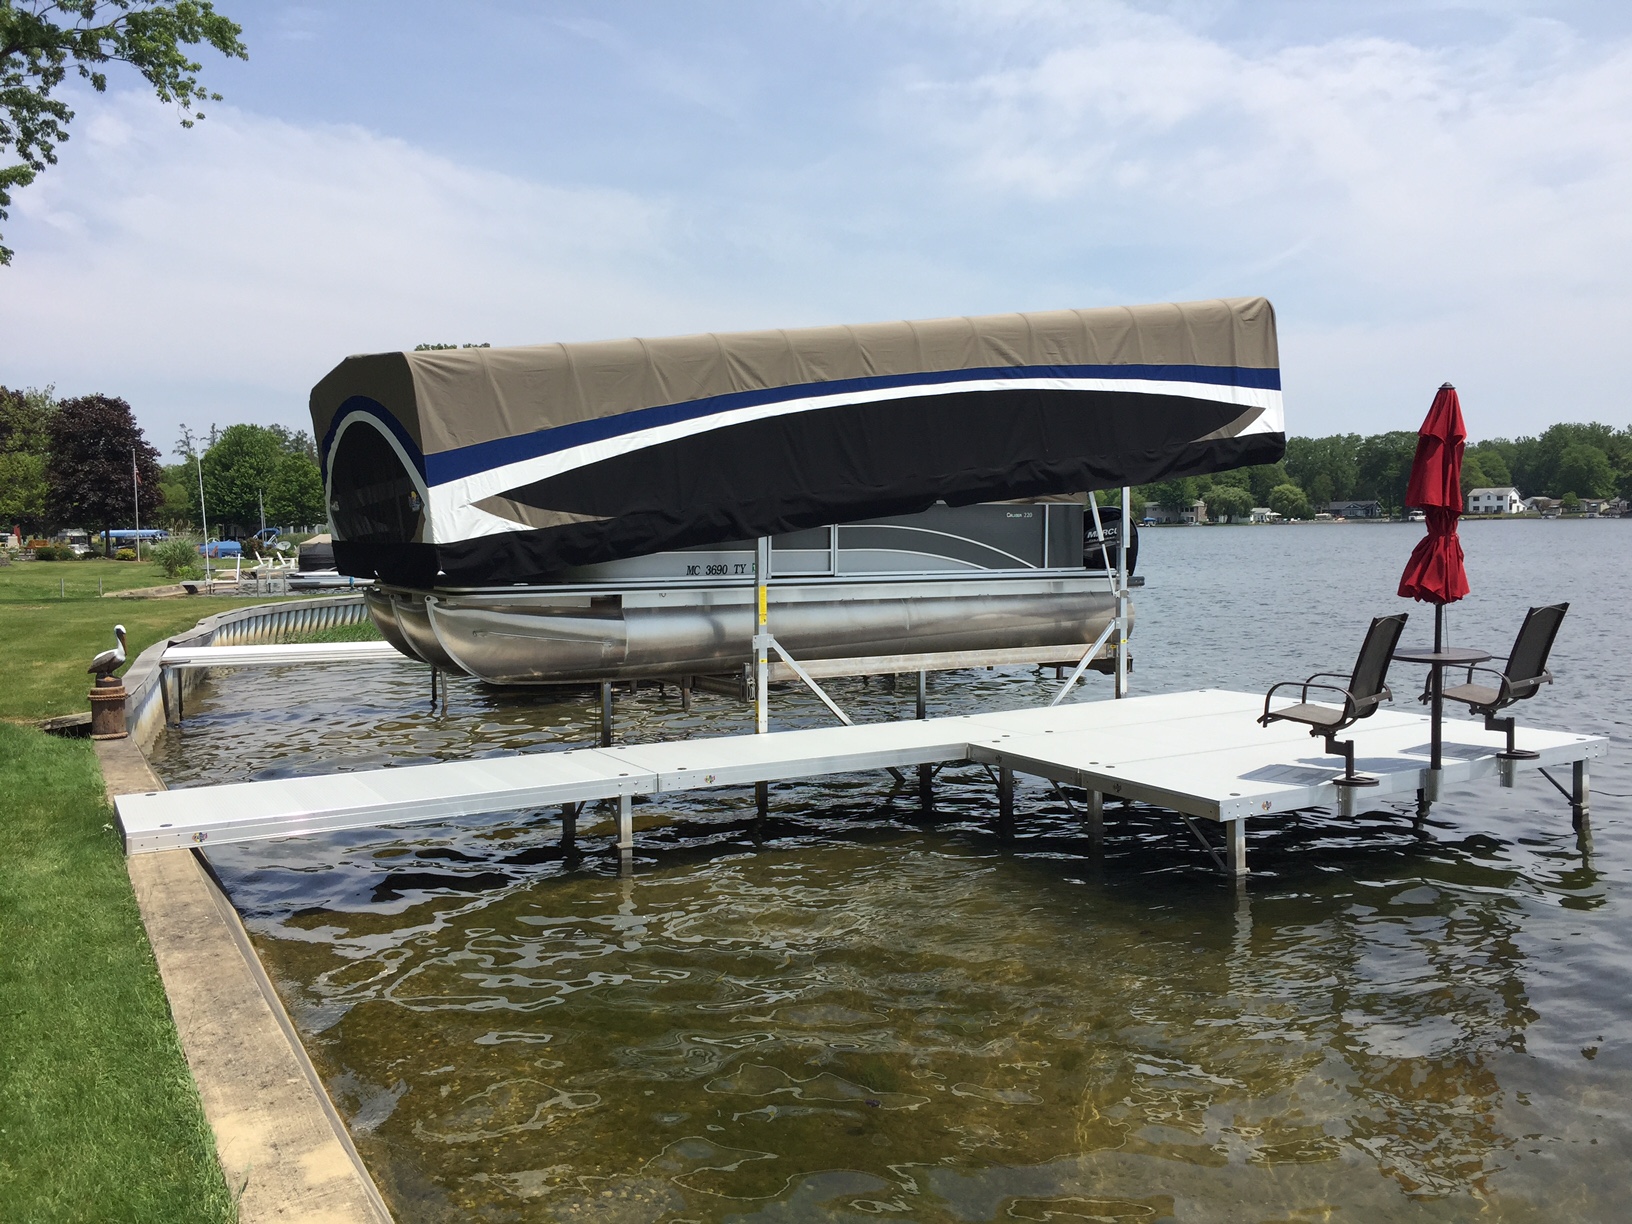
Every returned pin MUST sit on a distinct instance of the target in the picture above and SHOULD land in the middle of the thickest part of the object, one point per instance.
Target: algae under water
(859, 1010)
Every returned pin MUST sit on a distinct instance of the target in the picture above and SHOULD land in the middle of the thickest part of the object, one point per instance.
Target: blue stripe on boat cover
(479, 457)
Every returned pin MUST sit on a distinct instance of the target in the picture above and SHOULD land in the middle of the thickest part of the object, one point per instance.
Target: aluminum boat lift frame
(1200, 754)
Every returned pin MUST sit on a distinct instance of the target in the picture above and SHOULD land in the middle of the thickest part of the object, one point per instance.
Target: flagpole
(203, 515)
(136, 501)
(1438, 680)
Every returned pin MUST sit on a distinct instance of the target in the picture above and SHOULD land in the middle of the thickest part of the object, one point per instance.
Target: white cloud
(1418, 210)
(244, 257)
(1415, 211)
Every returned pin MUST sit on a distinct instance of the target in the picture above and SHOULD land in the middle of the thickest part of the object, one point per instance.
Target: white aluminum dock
(183, 658)
(1200, 754)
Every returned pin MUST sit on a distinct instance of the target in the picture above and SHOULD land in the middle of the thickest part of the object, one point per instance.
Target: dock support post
(569, 828)
(626, 822)
(1094, 818)
(923, 695)
(1122, 596)
(1580, 795)
(1005, 803)
(685, 694)
(433, 688)
(762, 802)
(926, 789)
(1236, 831)
(606, 714)
(762, 633)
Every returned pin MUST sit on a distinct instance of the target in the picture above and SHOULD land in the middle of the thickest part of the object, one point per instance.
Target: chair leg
(1345, 749)
(1492, 723)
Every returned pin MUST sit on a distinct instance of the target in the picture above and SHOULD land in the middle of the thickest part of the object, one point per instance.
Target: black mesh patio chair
(1362, 695)
(1522, 678)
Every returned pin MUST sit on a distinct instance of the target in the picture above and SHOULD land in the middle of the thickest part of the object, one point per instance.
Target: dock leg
(926, 789)
(606, 714)
(1095, 820)
(1580, 795)
(685, 694)
(762, 799)
(923, 695)
(569, 829)
(626, 822)
(1237, 843)
(1005, 803)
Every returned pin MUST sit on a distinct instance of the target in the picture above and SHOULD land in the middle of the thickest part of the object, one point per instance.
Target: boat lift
(1199, 754)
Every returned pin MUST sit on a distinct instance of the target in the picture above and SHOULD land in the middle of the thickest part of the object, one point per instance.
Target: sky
(1427, 191)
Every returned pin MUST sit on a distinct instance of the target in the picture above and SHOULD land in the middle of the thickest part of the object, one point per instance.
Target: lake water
(867, 1013)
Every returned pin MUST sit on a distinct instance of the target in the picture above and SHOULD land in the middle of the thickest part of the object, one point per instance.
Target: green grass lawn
(48, 639)
(99, 1118)
(35, 581)
(49, 644)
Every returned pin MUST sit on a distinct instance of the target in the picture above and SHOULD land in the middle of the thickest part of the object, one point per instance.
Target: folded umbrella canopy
(1435, 573)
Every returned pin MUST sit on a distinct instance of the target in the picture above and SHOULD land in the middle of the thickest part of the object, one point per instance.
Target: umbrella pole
(1438, 684)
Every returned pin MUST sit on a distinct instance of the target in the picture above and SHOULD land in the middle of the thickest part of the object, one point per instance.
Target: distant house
(1542, 505)
(1197, 512)
(1161, 514)
(1356, 509)
(1263, 514)
(1499, 499)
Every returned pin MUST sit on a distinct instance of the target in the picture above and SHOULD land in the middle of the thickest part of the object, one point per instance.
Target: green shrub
(176, 556)
(50, 552)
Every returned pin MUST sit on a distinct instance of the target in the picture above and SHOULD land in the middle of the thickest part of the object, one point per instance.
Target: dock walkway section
(1200, 754)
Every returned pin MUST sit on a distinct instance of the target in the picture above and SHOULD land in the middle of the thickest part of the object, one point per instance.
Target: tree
(1288, 501)
(1570, 503)
(1327, 467)
(25, 433)
(40, 38)
(1228, 502)
(238, 472)
(1175, 495)
(1265, 477)
(250, 466)
(1585, 470)
(1384, 463)
(1473, 474)
(88, 472)
(178, 483)
(296, 496)
(1490, 459)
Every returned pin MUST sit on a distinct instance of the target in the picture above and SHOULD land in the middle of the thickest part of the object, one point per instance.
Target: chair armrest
(1504, 686)
(1303, 687)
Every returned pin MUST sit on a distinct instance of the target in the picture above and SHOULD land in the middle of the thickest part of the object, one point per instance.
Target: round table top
(1446, 654)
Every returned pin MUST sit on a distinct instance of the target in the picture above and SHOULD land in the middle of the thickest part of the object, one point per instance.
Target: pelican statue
(109, 661)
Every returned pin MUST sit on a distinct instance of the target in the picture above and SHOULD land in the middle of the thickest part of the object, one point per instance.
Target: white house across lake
(1503, 499)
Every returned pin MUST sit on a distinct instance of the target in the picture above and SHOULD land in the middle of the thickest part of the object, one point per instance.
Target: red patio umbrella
(1435, 573)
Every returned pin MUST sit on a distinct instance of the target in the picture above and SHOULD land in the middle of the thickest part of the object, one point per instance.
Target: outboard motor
(1096, 550)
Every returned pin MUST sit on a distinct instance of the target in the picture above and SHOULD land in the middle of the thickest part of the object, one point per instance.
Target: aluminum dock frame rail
(1200, 754)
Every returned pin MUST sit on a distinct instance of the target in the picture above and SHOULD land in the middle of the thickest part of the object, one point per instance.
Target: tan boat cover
(528, 459)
